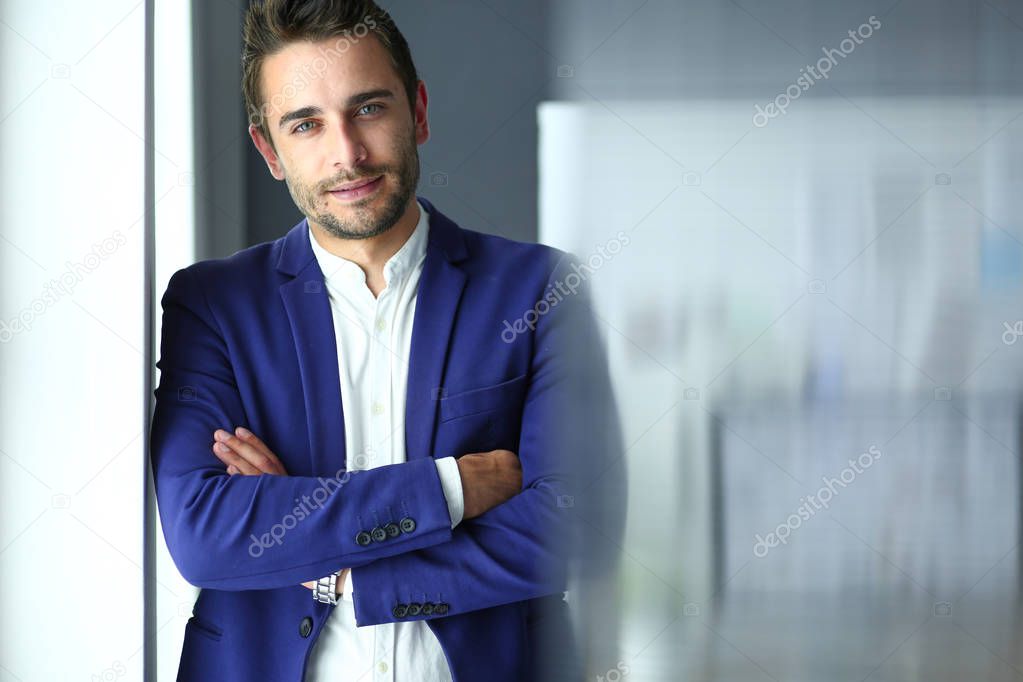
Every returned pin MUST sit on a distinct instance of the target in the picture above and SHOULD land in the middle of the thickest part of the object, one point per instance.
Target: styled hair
(271, 25)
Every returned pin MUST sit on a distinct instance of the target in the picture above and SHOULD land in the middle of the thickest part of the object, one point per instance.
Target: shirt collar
(339, 272)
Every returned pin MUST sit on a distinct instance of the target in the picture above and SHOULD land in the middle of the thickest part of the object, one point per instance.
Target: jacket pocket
(504, 395)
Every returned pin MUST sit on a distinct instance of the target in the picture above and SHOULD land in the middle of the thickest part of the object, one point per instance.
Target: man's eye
(300, 129)
(378, 106)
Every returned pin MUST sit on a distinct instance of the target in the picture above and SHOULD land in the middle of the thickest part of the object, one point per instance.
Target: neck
(372, 253)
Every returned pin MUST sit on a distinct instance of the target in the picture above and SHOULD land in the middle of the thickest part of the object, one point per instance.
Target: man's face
(339, 118)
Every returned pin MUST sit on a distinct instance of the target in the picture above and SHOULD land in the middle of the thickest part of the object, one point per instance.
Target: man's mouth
(356, 190)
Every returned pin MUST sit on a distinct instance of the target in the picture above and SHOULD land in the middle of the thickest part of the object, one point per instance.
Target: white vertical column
(71, 339)
(175, 248)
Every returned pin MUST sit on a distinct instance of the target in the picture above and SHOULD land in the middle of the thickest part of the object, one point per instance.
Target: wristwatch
(325, 590)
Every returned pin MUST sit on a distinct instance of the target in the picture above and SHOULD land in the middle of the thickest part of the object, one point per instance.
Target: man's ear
(422, 123)
(273, 162)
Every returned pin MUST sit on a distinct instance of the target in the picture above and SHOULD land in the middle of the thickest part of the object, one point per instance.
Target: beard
(399, 184)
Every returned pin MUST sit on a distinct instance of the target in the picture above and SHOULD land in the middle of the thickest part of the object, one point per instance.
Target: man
(380, 406)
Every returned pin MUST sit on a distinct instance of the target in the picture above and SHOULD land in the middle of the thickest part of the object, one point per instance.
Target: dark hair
(271, 25)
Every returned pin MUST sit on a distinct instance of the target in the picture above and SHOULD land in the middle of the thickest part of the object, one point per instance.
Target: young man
(369, 433)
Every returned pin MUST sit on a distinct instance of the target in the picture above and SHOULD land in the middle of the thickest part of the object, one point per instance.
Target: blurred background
(803, 221)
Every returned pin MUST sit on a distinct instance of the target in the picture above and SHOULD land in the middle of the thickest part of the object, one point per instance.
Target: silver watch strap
(325, 590)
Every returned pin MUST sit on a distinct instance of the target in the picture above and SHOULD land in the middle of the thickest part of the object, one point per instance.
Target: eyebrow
(354, 100)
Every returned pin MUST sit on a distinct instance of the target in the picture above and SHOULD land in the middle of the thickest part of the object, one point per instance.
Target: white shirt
(374, 336)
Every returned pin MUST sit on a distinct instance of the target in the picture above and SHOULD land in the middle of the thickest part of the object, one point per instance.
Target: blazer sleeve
(261, 532)
(571, 508)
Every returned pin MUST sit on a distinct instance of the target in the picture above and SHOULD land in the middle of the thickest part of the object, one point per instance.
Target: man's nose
(346, 146)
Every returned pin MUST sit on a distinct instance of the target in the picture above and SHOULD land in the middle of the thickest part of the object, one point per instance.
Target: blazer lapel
(312, 326)
(440, 290)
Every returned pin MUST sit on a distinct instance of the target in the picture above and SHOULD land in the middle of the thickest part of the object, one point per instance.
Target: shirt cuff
(451, 483)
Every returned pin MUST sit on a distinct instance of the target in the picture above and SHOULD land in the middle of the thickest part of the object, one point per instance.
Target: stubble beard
(364, 223)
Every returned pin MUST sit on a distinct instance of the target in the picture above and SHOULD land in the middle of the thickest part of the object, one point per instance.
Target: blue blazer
(503, 355)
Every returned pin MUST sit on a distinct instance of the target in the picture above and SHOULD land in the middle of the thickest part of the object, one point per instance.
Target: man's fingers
(245, 455)
(233, 459)
(247, 436)
(266, 460)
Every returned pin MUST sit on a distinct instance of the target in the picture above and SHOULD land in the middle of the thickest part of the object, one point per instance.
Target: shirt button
(382, 667)
(381, 325)
(378, 408)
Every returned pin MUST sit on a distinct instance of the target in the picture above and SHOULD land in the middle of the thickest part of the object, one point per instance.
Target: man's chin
(346, 229)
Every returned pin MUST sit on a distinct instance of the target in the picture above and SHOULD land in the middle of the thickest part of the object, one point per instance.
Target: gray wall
(720, 48)
(220, 135)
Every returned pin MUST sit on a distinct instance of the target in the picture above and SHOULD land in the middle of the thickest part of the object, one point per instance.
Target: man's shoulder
(496, 254)
(250, 260)
(245, 269)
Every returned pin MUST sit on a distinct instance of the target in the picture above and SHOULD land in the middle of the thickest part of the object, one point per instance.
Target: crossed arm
(488, 479)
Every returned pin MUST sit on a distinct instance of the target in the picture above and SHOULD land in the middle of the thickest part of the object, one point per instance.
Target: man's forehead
(309, 71)
(310, 62)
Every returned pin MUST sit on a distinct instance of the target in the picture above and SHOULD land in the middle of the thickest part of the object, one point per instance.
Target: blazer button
(305, 627)
(399, 611)
(427, 608)
(392, 530)
(408, 524)
(440, 609)
(363, 538)
(414, 609)
(378, 534)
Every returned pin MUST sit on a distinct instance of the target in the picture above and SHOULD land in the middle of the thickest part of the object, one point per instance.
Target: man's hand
(488, 479)
(246, 454)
